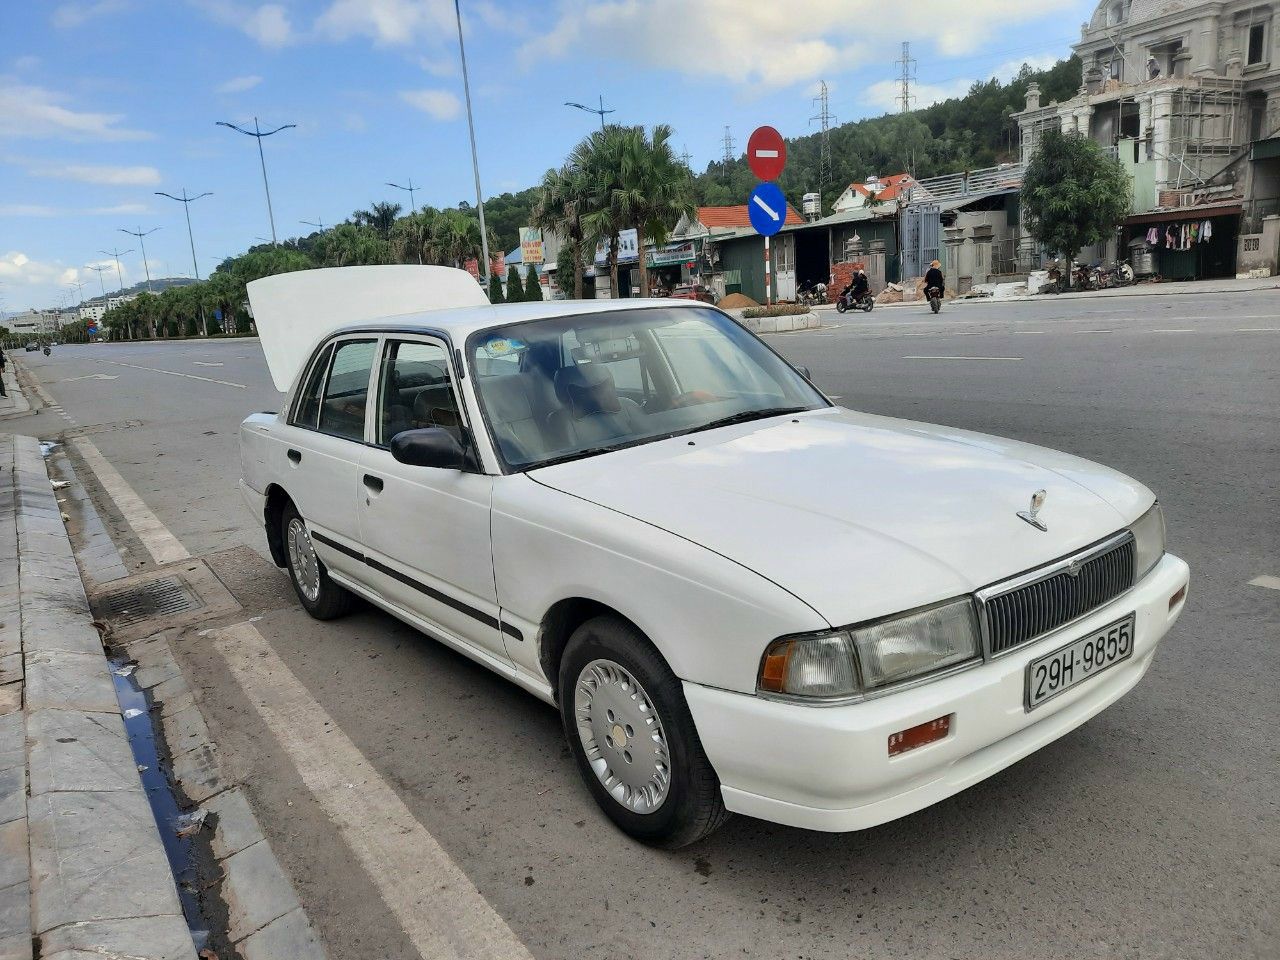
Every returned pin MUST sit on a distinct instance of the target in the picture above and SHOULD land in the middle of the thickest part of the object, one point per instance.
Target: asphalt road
(1149, 832)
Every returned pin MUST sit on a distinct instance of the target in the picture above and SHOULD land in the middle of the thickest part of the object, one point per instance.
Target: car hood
(859, 515)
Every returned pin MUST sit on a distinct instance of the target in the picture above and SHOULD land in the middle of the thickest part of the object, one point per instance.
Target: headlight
(1148, 541)
(827, 666)
(917, 643)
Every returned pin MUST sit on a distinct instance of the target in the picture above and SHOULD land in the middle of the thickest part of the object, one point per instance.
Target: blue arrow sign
(767, 208)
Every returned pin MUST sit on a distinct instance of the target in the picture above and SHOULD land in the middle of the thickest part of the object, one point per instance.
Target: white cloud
(140, 176)
(239, 84)
(42, 210)
(1039, 61)
(70, 15)
(770, 44)
(18, 269)
(27, 210)
(119, 208)
(25, 63)
(39, 113)
(386, 22)
(268, 23)
(885, 93)
(437, 104)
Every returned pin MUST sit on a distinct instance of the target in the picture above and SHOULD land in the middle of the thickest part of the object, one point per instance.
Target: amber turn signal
(919, 735)
(773, 669)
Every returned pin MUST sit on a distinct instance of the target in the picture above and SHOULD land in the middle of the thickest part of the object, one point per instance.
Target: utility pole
(116, 255)
(475, 161)
(99, 271)
(908, 65)
(317, 223)
(597, 110)
(139, 234)
(824, 118)
(257, 133)
(186, 206)
(728, 153)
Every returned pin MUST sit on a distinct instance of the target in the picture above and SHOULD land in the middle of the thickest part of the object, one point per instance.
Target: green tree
(600, 160)
(515, 288)
(561, 201)
(532, 286)
(652, 190)
(380, 218)
(569, 264)
(495, 289)
(348, 245)
(1073, 193)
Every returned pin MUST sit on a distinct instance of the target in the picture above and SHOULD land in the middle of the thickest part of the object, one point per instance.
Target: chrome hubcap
(622, 736)
(302, 559)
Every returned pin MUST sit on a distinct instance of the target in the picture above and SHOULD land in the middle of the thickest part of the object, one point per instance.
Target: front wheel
(869, 305)
(935, 304)
(320, 596)
(632, 735)
(841, 306)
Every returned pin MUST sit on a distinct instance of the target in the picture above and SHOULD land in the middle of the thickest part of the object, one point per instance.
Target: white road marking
(202, 363)
(765, 207)
(1258, 330)
(1183, 330)
(1029, 331)
(92, 376)
(962, 358)
(163, 546)
(440, 910)
(1271, 583)
(174, 373)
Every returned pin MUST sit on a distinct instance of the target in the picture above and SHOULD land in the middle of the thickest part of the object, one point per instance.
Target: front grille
(1026, 612)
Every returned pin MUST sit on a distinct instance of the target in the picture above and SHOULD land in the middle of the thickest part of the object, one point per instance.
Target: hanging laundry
(1153, 237)
(1206, 230)
(1194, 231)
(1169, 241)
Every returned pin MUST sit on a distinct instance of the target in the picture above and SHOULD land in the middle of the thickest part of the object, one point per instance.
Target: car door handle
(373, 484)
(295, 456)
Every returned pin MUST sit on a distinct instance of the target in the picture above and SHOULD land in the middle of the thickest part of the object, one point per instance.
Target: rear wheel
(321, 597)
(935, 304)
(632, 735)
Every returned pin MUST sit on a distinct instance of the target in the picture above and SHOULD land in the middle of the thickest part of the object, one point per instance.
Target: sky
(104, 102)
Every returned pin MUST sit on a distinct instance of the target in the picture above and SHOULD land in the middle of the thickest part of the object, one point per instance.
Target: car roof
(461, 322)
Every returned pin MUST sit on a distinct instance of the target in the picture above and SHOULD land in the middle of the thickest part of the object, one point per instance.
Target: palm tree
(349, 245)
(600, 160)
(654, 190)
(559, 209)
(380, 216)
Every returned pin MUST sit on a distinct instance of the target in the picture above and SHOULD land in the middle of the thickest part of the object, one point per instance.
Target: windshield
(560, 389)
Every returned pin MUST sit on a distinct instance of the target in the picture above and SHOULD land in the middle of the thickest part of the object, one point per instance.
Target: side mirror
(430, 447)
(804, 372)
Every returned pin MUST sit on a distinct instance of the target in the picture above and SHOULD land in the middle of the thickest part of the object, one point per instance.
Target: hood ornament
(1031, 516)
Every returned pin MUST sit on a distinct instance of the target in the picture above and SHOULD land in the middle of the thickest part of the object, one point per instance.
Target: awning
(1206, 211)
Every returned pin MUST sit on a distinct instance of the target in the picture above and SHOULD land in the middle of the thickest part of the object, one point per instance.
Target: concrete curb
(783, 324)
(99, 879)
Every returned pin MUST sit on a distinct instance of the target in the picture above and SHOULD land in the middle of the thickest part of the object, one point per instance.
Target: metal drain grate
(156, 598)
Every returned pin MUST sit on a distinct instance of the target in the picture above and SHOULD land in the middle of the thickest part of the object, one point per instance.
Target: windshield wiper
(745, 416)
(575, 455)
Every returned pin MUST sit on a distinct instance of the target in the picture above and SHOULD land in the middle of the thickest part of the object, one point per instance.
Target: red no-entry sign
(766, 153)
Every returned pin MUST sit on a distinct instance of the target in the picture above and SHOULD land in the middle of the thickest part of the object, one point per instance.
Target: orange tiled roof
(736, 217)
(892, 185)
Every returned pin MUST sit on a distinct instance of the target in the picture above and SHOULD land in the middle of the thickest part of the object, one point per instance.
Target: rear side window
(307, 411)
(346, 394)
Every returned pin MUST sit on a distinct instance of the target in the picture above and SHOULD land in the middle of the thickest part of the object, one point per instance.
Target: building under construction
(1187, 96)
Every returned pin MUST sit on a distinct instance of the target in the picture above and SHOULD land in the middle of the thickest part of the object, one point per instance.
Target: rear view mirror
(430, 447)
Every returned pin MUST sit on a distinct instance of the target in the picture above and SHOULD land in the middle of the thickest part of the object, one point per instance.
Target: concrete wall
(1260, 251)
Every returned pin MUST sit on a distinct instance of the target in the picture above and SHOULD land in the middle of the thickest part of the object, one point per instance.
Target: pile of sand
(735, 301)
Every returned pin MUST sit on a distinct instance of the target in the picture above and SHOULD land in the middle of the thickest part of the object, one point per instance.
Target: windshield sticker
(503, 347)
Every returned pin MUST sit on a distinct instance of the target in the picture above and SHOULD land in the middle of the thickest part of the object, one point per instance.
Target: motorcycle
(813, 295)
(935, 298)
(846, 301)
(1120, 275)
(46, 351)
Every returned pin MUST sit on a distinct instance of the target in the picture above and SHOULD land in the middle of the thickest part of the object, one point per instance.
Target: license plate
(1075, 663)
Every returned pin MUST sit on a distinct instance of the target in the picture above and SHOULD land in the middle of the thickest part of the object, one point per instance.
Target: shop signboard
(671, 253)
(531, 245)
(628, 249)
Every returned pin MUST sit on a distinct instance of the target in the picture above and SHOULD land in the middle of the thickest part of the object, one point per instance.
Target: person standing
(4, 362)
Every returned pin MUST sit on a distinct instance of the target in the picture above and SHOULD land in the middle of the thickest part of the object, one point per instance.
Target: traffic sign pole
(767, 206)
(768, 275)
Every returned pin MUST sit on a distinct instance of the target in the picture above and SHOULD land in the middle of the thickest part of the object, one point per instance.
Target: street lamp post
(471, 127)
(410, 189)
(258, 134)
(186, 208)
(317, 223)
(139, 234)
(601, 111)
(116, 255)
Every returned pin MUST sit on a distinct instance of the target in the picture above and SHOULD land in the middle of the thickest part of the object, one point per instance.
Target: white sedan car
(739, 595)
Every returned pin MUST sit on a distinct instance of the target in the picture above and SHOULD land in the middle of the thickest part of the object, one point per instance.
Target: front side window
(416, 391)
(346, 394)
(561, 389)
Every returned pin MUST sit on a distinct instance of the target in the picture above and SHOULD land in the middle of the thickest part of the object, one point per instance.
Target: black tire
(840, 307)
(692, 807)
(869, 305)
(332, 601)
(935, 304)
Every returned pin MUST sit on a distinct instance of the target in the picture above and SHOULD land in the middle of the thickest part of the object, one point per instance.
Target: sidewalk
(82, 867)
(15, 404)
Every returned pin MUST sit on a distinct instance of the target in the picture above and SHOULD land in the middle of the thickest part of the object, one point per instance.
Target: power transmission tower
(908, 65)
(824, 117)
(728, 153)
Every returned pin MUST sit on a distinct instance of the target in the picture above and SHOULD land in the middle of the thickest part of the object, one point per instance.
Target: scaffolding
(1206, 129)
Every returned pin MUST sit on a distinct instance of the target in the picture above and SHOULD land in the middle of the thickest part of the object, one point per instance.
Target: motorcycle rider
(933, 278)
(858, 287)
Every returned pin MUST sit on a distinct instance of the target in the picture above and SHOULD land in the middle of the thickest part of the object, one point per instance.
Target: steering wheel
(692, 398)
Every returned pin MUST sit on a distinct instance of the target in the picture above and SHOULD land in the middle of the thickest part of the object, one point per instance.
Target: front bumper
(828, 768)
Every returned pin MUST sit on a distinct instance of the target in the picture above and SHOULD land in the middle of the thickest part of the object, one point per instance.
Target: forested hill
(964, 133)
